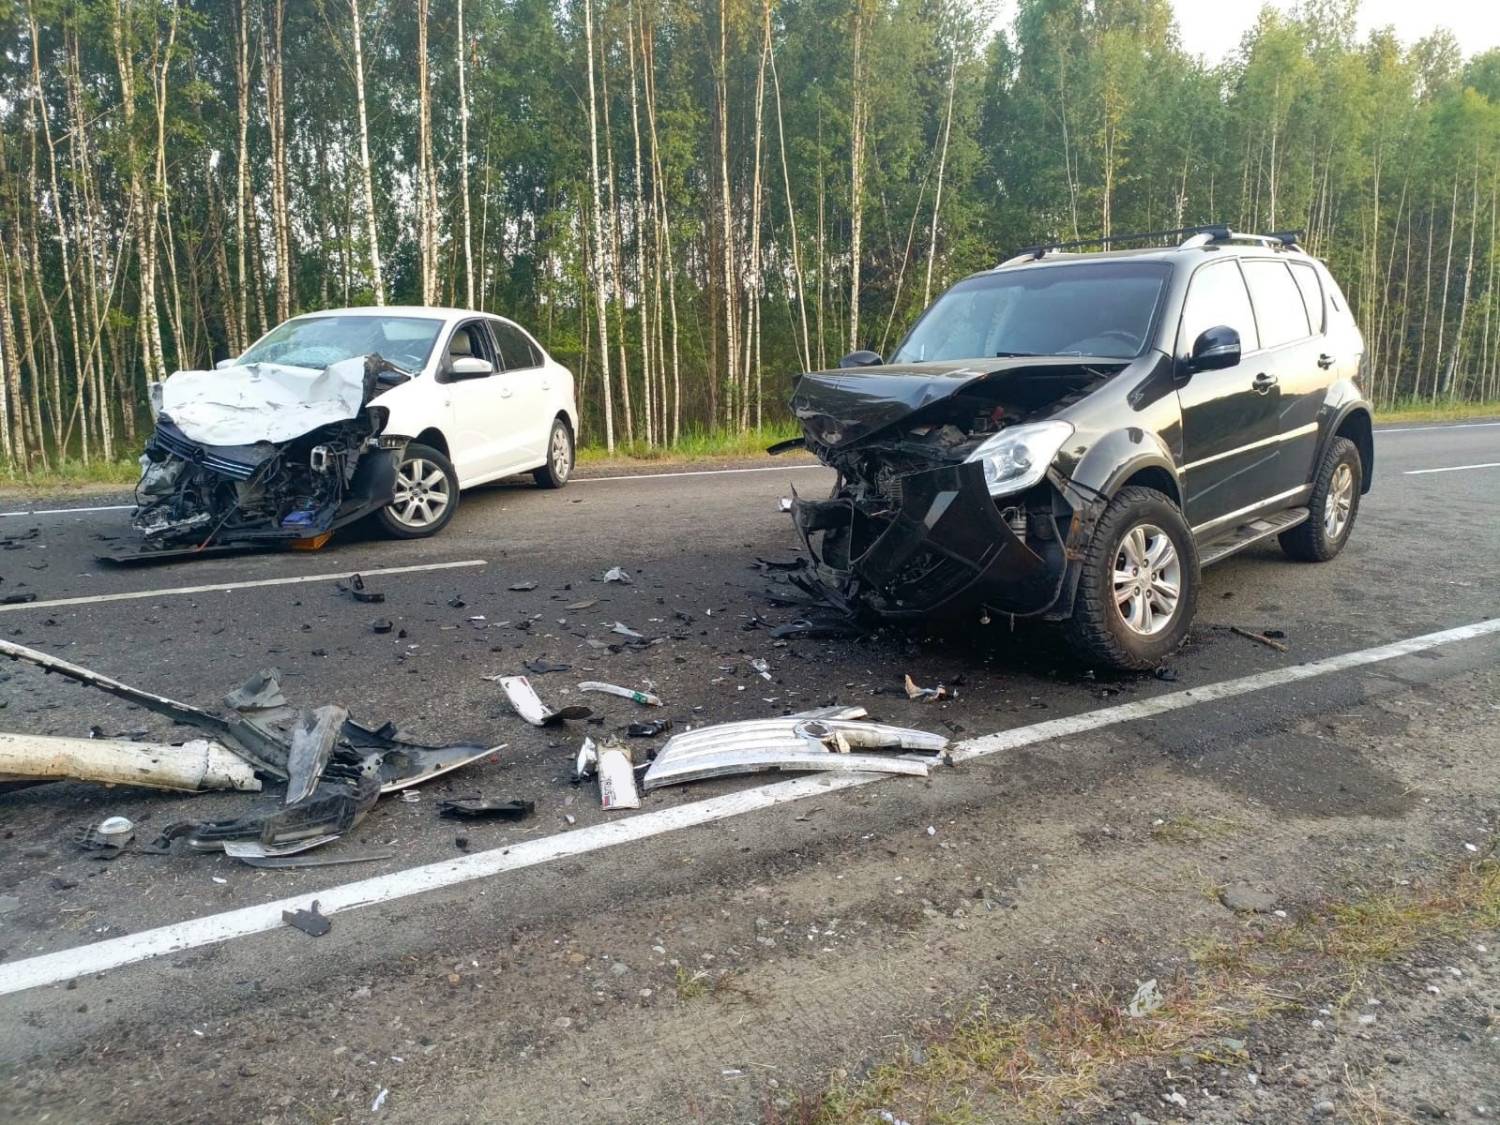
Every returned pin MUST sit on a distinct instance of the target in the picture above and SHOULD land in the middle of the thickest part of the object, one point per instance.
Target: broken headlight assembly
(1017, 457)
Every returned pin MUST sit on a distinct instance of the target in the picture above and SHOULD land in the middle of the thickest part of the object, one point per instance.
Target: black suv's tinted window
(515, 349)
(1101, 309)
(1279, 311)
(1312, 293)
(1217, 296)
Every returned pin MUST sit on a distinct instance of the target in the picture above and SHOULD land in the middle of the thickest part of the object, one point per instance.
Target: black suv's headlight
(1018, 456)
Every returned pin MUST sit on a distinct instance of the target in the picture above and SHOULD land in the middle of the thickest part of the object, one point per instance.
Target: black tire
(1098, 630)
(1333, 507)
(559, 467)
(416, 467)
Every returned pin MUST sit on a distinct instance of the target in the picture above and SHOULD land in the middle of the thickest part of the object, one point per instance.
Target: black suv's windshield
(317, 341)
(1093, 308)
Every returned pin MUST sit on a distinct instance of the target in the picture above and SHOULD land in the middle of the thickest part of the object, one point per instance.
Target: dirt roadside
(732, 989)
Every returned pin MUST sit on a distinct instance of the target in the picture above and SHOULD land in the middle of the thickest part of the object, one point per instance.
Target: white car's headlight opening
(1018, 456)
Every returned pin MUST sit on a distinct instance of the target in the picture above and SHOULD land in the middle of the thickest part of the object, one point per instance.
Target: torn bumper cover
(266, 454)
(944, 541)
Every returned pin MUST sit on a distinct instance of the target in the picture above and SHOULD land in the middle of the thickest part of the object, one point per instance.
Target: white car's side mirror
(223, 363)
(470, 367)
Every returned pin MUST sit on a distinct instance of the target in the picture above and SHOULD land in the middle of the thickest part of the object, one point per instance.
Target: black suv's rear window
(1087, 308)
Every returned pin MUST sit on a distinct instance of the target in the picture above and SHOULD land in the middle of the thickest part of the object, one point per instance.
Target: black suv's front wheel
(1138, 589)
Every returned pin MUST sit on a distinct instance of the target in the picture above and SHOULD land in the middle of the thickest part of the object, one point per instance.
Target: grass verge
(985, 1066)
(1424, 410)
(696, 445)
(72, 476)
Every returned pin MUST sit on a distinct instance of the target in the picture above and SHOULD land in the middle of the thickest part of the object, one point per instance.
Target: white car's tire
(560, 453)
(426, 495)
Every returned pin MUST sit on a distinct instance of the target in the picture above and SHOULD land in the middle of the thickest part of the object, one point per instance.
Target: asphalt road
(533, 981)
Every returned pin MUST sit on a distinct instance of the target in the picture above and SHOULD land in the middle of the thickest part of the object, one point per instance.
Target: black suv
(1073, 435)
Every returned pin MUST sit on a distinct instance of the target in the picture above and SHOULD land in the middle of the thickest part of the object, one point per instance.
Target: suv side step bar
(1241, 537)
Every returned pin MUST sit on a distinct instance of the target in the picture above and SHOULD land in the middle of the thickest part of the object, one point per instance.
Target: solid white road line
(67, 964)
(1434, 426)
(66, 511)
(701, 473)
(1451, 469)
(135, 595)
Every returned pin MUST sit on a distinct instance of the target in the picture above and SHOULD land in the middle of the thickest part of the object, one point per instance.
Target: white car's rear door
(531, 404)
(482, 434)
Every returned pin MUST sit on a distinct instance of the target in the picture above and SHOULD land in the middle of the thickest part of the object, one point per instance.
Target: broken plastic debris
(541, 666)
(528, 705)
(792, 743)
(926, 694)
(649, 729)
(521, 587)
(585, 604)
(313, 740)
(644, 697)
(313, 924)
(626, 631)
(617, 777)
(261, 692)
(356, 589)
(762, 666)
(617, 574)
(381, 625)
(109, 836)
(587, 761)
(1146, 1000)
(485, 808)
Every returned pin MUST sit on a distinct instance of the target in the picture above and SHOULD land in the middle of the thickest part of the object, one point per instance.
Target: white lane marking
(1451, 469)
(701, 473)
(112, 953)
(1434, 426)
(66, 511)
(216, 587)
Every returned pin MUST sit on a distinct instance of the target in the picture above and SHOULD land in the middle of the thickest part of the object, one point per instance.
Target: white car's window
(317, 341)
(1217, 296)
(1279, 310)
(515, 349)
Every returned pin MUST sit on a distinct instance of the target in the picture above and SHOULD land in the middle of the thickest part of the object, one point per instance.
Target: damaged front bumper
(937, 540)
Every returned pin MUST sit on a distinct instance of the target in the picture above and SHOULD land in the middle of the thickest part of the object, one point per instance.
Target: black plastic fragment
(486, 808)
(649, 729)
(381, 625)
(356, 589)
(309, 921)
(17, 599)
(541, 666)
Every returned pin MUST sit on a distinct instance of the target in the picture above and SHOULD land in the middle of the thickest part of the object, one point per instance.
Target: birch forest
(688, 202)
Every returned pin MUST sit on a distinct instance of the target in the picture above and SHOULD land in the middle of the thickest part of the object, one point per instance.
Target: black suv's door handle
(1325, 361)
(1263, 383)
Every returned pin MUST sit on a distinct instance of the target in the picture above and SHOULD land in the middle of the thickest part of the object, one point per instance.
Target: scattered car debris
(649, 729)
(791, 743)
(796, 563)
(457, 602)
(309, 921)
(261, 692)
(313, 742)
(193, 767)
(586, 763)
(356, 589)
(17, 599)
(617, 789)
(1259, 638)
(521, 587)
(110, 836)
(485, 808)
(587, 603)
(524, 700)
(927, 694)
(617, 574)
(240, 850)
(761, 666)
(625, 630)
(644, 697)
(541, 666)
(381, 625)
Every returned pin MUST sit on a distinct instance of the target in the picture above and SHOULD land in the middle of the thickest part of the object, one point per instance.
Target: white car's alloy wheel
(422, 494)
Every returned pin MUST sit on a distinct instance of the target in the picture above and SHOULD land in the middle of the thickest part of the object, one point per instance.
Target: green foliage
(1075, 119)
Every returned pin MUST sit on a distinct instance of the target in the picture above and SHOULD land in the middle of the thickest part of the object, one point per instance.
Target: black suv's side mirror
(861, 359)
(1215, 348)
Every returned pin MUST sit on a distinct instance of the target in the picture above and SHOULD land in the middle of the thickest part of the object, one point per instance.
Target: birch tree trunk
(426, 195)
(856, 173)
(642, 304)
(242, 173)
(463, 164)
(753, 274)
(937, 198)
(273, 56)
(726, 218)
(600, 308)
(367, 177)
(798, 287)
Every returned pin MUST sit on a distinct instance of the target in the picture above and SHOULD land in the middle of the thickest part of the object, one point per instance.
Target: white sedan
(485, 399)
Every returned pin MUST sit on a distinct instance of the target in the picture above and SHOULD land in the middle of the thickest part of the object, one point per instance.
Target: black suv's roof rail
(1191, 236)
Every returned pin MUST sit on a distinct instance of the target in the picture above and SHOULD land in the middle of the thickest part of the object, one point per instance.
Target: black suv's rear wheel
(1139, 586)
(1334, 504)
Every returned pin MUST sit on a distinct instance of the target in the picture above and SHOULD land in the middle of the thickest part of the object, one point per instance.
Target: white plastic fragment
(192, 767)
(1146, 1000)
(617, 788)
(617, 574)
(525, 702)
(644, 697)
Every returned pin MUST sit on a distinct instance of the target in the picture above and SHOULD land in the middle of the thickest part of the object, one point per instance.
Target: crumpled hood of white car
(242, 405)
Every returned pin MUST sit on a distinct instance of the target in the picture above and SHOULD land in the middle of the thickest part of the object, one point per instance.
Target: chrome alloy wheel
(422, 493)
(1147, 579)
(1339, 503)
(562, 453)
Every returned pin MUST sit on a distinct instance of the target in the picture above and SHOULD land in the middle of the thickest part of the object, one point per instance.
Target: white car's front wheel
(426, 495)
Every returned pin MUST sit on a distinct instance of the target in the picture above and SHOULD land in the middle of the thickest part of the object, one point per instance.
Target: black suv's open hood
(843, 406)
